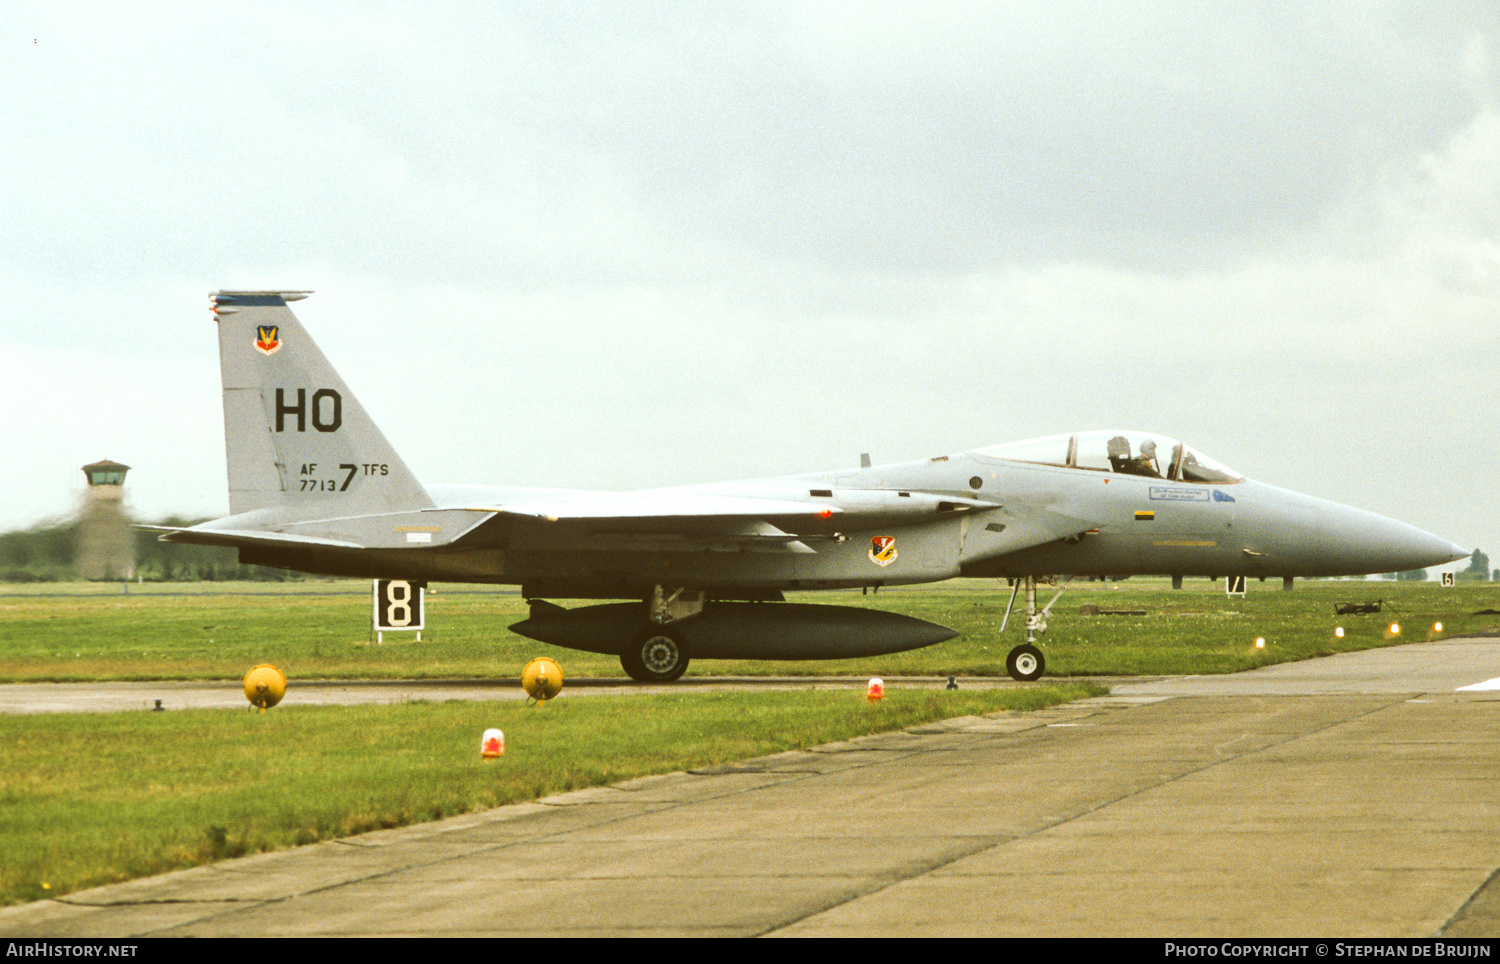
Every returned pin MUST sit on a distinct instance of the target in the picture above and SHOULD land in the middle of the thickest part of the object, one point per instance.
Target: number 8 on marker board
(399, 606)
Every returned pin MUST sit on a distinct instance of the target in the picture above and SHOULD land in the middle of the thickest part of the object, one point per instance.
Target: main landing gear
(659, 654)
(1026, 662)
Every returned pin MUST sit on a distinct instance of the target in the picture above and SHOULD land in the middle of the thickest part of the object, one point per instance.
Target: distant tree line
(47, 553)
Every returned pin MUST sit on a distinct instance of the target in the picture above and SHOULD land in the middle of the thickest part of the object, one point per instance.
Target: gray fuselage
(1095, 523)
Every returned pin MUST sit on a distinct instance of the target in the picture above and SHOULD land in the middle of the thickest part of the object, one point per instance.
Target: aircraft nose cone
(1322, 538)
(1455, 551)
(1437, 550)
(1426, 549)
(1378, 544)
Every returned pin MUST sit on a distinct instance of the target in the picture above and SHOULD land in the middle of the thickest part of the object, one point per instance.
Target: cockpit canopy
(1125, 453)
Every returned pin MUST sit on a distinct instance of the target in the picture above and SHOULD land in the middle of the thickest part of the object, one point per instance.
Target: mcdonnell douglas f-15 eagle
(314, 486)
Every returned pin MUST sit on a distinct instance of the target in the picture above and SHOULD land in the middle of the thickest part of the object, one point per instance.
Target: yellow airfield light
(1260, 642)
(1395, 629)
(542, 679)
(265, 685)
(1437, 627)
(1339, 632)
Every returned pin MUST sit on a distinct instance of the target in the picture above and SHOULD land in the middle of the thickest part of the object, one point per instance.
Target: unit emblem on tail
(267, 339)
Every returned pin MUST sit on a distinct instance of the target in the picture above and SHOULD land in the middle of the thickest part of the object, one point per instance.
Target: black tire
(1025, 663)
(658, 655)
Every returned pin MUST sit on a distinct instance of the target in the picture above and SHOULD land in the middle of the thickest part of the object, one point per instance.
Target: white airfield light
(1260, 642)
(1339, 632)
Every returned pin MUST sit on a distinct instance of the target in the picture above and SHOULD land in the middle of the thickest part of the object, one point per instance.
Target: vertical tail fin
(294, 433)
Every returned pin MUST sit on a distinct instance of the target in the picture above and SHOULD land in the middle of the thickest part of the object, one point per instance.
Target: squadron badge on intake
(883, 550)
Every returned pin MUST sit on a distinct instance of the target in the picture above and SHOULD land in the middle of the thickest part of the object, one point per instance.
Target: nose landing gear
(1026, 663)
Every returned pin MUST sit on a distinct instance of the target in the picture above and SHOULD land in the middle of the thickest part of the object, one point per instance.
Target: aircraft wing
(677, 511)
(648, 507)
(675, 520)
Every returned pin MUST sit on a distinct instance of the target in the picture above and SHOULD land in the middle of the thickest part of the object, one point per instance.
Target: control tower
(105, 549)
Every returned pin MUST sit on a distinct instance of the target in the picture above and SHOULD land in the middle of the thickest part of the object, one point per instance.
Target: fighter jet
(314, 486)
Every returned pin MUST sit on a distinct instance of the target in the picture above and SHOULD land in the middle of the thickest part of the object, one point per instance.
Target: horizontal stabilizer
(234, 538)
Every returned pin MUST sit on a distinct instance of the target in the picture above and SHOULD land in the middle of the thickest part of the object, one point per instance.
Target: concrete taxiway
(211, 695)
(1357, 795)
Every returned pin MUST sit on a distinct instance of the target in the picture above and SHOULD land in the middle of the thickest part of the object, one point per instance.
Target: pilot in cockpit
(1145, 463)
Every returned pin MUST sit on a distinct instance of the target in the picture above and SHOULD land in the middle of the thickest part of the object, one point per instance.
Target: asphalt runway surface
(1355, 795)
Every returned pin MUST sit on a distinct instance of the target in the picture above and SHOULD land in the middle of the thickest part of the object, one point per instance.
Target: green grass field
(320, 630)
(87, 799)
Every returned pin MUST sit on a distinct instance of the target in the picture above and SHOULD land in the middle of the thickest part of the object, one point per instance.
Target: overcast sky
(619, 245)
